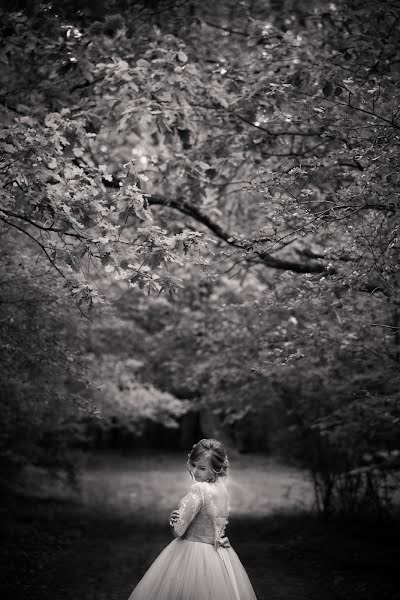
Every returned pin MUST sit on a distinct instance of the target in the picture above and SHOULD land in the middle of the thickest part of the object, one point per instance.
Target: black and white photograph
(199, 299)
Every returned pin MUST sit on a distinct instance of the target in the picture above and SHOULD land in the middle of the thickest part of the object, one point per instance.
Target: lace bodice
(203, 513)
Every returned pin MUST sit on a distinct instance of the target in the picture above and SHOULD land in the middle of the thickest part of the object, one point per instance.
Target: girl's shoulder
(198, 490)
(210, 485)
(208, 488)
(205, 484)
(198, 485)
(202, 488)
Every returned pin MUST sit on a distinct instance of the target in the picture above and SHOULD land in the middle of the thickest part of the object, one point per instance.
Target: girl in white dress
(199, 564)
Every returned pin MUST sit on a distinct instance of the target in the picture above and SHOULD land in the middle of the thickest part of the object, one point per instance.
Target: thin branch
(41, 227)
(386, 326)
(259, 127)
(276, 133)
(233, 31)
(356, 108)
(36, 242)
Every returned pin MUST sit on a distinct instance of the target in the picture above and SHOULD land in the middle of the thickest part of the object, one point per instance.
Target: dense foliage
(244, 158)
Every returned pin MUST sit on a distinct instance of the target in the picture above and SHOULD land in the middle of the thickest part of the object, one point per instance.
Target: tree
(179, 110)
(43, 375)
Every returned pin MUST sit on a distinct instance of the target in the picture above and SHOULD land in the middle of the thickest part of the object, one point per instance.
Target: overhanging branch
(43, 248)
(245, 245)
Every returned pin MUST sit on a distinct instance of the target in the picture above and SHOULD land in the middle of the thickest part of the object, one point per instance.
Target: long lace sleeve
(189, 506)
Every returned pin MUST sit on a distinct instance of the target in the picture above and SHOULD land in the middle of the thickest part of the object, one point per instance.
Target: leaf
(67, 211)
(9, 148)
(182, 56)
(52, 120)
(27, 121)
(143, 63)
(203, 165)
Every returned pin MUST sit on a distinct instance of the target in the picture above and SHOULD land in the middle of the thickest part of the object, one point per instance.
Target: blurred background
(199, 238)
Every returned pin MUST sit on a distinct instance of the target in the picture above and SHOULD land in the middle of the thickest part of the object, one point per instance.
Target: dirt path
(99, 546)
(110, 559)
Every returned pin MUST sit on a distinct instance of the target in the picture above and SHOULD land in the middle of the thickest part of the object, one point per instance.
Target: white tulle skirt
(187, 570)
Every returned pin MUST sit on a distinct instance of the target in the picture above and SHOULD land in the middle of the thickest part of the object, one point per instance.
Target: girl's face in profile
(201, 470)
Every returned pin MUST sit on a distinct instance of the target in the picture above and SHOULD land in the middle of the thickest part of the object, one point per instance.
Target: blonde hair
(214, 451)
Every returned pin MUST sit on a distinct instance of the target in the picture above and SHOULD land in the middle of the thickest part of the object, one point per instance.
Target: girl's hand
(173, 517)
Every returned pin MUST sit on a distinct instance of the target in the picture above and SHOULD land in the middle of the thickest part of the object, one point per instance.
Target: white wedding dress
(200, 563)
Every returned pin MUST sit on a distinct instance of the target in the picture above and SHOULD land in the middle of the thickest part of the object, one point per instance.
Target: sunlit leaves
(63, 206)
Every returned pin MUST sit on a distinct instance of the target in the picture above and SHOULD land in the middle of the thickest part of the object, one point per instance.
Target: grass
(257, 484)
(97, 543)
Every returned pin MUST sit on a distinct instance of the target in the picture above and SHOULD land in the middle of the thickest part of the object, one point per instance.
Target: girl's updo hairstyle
(214, 451)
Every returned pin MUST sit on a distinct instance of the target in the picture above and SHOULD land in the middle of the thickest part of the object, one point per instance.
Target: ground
(95, 543)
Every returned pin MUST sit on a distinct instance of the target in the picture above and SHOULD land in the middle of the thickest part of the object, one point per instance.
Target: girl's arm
(189, 507)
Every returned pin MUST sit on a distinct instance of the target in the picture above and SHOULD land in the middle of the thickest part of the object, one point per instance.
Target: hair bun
(215, 451)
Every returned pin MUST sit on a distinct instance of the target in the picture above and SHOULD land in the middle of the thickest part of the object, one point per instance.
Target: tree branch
(276, 133)
(351, 106)
(41, 227)
(227, 29)
(259, 127)
(245, 245)
(37, 242)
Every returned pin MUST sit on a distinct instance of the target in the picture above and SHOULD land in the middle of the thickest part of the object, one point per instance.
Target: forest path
(97, 548)
(107, 566)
